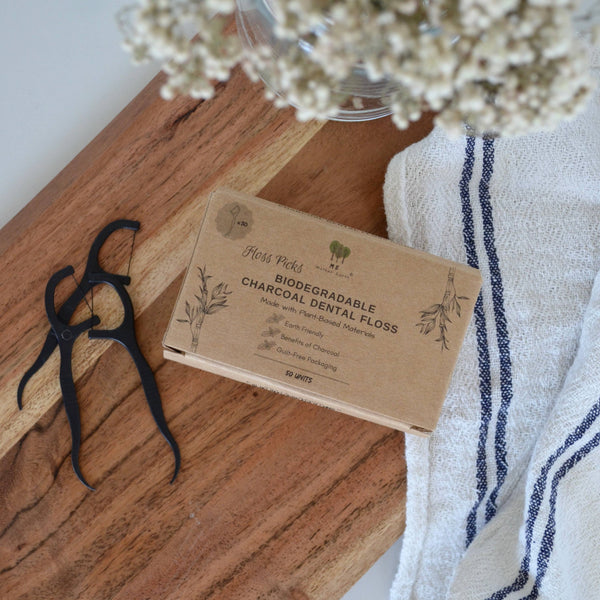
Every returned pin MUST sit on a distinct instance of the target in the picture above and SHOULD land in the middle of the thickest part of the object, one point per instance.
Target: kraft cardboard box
(314, 310)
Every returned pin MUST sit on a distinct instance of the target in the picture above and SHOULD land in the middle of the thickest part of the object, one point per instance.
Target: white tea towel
(503, 499)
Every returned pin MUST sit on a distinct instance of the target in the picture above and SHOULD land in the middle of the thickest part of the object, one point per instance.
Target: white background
(65, 78)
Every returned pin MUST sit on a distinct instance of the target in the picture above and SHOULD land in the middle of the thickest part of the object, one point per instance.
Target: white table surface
(65, 78)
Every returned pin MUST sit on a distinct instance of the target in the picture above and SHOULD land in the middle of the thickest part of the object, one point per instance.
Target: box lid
(321, 312)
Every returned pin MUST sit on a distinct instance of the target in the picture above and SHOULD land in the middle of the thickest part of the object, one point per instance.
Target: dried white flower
(507, 66)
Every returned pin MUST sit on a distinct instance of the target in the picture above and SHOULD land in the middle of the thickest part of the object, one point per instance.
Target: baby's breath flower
(503, 66)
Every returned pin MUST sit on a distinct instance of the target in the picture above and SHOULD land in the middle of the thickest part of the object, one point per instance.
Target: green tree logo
(338, 250)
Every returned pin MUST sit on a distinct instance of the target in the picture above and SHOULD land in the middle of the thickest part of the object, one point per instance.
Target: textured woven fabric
(504, 498)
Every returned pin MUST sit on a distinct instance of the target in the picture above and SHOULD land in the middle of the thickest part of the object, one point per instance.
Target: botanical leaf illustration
(266, 345)
(271, 332)
(437, 316)
(274, 318)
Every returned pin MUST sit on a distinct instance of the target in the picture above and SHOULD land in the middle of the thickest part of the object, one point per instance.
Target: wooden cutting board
(276, 499)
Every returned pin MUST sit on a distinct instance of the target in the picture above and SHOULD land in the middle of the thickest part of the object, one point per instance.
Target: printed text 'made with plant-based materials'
(314, 310)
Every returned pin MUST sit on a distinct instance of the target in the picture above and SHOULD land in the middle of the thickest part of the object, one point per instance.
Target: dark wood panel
(276, 498)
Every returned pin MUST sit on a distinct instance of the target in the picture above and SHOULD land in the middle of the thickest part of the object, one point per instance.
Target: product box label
(321, 312)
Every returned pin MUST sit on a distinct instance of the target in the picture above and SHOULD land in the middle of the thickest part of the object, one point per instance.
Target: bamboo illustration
(206, 304)
(437, 316)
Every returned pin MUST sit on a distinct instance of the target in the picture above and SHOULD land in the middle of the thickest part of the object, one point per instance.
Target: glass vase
(365, 99)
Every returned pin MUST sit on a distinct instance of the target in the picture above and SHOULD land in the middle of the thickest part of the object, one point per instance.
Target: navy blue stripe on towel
(506, 392)
(485, 380)
(549, 532)
(535, 502)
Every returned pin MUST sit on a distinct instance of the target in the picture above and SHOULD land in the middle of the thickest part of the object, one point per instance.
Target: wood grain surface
(276, 499)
